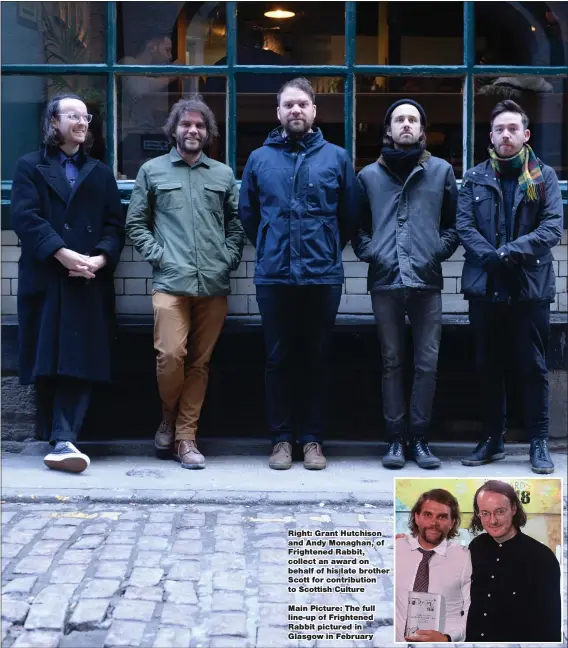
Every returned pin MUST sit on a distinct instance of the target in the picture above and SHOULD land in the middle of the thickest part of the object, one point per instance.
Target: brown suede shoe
(188, 455)
(313, 457)
(164, 437)
(281, 457)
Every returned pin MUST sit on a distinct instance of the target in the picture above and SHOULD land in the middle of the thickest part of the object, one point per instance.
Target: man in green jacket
(183, 220)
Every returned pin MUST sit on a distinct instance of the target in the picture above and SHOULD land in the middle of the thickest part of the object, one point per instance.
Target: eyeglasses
(76, 118)
(498, 513)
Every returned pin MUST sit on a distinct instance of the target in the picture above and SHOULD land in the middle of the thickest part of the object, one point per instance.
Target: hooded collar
(309, 141)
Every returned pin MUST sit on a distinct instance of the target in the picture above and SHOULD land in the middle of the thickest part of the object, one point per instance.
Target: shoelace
(541, 448)
(313, 446)
(281, 446)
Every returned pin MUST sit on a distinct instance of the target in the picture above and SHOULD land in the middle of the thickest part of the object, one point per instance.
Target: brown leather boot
(281, 457)
(164, 437)
(188, 455)
(313, 457)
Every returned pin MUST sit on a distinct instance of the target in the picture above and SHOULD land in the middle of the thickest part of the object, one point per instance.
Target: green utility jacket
(183, 220)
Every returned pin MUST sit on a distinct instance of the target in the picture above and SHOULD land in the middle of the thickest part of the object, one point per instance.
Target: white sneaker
(65, 456)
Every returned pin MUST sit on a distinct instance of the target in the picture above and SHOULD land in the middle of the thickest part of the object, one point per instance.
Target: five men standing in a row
(299, 204)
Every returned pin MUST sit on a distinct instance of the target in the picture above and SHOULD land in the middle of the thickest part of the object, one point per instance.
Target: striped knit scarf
(530, 176)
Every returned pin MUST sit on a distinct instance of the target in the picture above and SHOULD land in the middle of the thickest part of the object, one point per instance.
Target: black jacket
(407, 229)
(515, 592)
(65, 323)
(298, 205)
(536, 227)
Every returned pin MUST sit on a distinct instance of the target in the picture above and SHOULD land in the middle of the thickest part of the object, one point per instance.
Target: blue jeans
(62, 405)
(519, 332)
(424, 309)
(298, 325)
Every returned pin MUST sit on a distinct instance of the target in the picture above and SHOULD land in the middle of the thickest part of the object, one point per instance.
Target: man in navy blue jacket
(298, 206)
(509, 218)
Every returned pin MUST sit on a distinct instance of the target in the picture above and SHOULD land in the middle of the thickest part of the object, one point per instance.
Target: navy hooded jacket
(298, 205)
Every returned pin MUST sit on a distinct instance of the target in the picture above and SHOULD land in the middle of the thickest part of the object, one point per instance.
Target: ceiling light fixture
(279, 14)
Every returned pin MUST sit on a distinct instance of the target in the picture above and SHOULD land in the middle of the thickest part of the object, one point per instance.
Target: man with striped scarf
(509, 219)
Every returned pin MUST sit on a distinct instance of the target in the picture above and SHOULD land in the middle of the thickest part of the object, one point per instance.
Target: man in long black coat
(66, 211)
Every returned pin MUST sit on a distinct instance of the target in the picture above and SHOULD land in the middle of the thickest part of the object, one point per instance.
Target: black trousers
(520, 332)
(62, 405)
(298, 324)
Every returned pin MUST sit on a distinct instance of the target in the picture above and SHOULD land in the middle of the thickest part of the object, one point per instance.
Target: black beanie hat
(401, 102)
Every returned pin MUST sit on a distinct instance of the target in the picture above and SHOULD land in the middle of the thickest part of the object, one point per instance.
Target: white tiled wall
(134, 285)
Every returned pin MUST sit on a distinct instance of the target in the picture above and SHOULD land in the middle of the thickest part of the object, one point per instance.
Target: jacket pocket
(169, 196)
(273, 249)
(320, 247)
(536, 280)
(214, 197)
(323, 190)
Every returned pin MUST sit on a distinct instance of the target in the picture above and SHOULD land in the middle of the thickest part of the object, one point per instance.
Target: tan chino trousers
(186, 330)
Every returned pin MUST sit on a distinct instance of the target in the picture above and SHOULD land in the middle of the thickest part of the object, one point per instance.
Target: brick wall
(134, 284)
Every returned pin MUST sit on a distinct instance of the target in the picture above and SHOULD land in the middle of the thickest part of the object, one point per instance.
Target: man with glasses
(509, 219)
(67, 213)
(515, 591)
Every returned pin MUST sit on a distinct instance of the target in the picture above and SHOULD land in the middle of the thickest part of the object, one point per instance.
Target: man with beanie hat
(509, 218)
(407, 228)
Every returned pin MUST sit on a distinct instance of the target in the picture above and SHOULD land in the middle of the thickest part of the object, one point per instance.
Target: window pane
(545, 100)
(410, 33)
(521, 33)
(23, 101)
(311, 36)
(256, 115)
(441, 99)
(159, 33)
(144, 103)
(53, 32)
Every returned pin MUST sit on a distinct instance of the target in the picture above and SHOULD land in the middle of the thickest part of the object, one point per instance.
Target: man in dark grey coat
(67, 214)
(509, 218)
(407, 229)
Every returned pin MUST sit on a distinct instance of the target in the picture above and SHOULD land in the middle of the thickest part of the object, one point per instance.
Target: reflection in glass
(256, 115)
(145, 103)
(23, 101)
(53, 32)
(521, 33)
(544, 99)
(409, 33)
(439, 96)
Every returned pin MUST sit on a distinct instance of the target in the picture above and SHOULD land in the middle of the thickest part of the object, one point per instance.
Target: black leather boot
(395, 456)
(420, 452)
(540, 457)
(486, 451)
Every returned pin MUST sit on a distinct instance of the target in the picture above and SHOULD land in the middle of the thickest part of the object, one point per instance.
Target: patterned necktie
(421, 581)
(69, 171)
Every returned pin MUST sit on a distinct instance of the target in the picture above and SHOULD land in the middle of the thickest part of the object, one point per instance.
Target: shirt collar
(176, 158)
(63, 157)
(440, 549)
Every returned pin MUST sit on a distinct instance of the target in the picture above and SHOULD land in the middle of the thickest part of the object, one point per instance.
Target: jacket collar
(54, 175)
(176, 158)
(422, 160)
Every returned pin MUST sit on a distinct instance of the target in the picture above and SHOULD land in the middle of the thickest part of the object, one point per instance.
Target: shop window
(256, 114)
(441, 99)
(53, 32)
(23, 102)
(409, 33)
(161, 33)
(144, 103)
(544, 99)
(521, 33)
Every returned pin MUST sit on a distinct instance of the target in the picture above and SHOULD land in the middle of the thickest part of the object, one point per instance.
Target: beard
(432, 536)
(297, 127)
(191, 145)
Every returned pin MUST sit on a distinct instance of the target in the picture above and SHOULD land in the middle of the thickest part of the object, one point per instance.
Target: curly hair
(440, 496)
(496, 486)
(194, 104)
(50, 136)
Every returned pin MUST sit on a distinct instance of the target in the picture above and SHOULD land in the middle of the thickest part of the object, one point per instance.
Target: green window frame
(111, 69)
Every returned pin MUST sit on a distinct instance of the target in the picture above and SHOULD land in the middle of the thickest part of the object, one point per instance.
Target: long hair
(50, 136)
(193, 104)
(496, 486)
(442, 497)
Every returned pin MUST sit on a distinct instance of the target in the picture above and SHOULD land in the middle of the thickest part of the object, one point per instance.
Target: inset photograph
(478, 560)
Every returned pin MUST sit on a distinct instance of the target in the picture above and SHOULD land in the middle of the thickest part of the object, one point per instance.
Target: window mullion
(231, 110)
(349, 89)
(111, 84)
(468, 87)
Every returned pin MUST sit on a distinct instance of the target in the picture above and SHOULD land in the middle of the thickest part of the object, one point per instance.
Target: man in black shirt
(515, 586)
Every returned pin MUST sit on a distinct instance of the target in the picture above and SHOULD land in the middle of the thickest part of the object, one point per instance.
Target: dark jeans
(424, 309)
(62, 405)
(298, 324)
(519, 332)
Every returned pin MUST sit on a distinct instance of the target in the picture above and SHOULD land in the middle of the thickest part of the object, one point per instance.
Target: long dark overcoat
(66, 324)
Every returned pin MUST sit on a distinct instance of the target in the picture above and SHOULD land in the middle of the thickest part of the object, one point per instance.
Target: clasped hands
(80, 265)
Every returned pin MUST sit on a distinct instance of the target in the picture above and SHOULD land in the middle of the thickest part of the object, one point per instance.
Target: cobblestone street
(171, 576)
